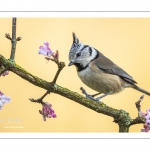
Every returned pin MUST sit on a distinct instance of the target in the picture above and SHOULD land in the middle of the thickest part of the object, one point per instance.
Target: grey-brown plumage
(97, 71)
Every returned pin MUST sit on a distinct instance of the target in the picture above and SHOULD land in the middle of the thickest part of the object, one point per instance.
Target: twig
(37, 101)
(13, 39)
(138, 119)
(61, 65)
(138, 106)
(40, 100)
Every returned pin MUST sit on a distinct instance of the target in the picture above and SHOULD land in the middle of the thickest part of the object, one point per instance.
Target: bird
(98, 72)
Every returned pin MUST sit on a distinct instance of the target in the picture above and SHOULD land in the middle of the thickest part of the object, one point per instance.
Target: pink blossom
(5, 73)
(3, 99)
(45, 50)
(147, 122)
(47, 111)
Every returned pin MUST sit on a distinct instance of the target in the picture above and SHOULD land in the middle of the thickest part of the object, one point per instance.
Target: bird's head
(80, 54)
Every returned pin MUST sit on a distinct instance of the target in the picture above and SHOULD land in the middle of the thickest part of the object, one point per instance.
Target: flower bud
(7, 35)
(19, 38)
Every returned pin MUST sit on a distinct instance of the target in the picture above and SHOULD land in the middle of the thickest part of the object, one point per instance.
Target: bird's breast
(99, 81)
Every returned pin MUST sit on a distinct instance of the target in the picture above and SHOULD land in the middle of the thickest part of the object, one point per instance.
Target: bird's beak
(71, 63)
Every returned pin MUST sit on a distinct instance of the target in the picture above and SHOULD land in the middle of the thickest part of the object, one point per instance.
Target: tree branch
(121, 117)
(97, 106)
(137, 120)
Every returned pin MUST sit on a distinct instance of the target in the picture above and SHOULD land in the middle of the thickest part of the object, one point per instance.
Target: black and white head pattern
(76, 45)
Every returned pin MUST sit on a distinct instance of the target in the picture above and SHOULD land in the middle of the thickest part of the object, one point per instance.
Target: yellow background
(126, 41)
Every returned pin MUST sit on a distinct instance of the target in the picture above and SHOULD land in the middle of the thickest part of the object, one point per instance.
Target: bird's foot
(88, 95)
(98, 98)
(92, 96)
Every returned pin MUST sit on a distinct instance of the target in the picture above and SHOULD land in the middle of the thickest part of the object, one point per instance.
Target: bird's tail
(141, 90)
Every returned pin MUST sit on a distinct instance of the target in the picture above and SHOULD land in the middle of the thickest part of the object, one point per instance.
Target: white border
(80, 5)
(76, 14)
(95, 135)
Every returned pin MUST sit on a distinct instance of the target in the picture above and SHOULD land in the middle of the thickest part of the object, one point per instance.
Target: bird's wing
(108, 66)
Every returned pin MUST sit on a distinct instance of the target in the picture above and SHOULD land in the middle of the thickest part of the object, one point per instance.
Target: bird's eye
(90, 51)
(78, 54)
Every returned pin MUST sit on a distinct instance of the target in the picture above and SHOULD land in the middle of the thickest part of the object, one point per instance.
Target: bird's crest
(75, 46)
